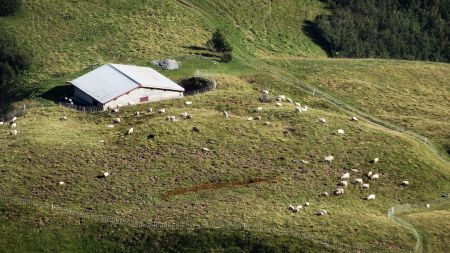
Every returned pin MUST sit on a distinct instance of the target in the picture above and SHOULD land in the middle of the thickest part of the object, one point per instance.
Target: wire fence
(190, 225)
(82, 108)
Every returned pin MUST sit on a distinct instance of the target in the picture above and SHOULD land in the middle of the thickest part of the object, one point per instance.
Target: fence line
(82, 108)
(189, 225)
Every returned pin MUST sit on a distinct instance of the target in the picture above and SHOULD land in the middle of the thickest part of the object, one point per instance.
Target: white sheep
(281, 98)
(307, 203)
(226, 114)
(354, 170)
(322, 120)
(171, 118)
(266, 123)
(375, 176)
(365, 186)
(206, 149)
(61, 183)
(70, 100)
(298, 104)
(371, 197)
(184, 115)
(130, 131)
(329, 159)
(322, 212)
(289, 100)
(162, 111)
(427, 205)
(250, 118)
(259, 109)
(343, 183)
(354, 118)
(405, 183)
(278, 104)
(305, 162)
(1, 123)
(64, 118)
(150, 110)
(13, 125)
(339, 191)
(110, 126)
(324, 194)
(188, 103)
(376, 160)
(370, 174)
(298, 109)
(116, 110)
(305, 108)
(258, 118)
(265, 92)
(340, 131)
(345, 176)
(138, 113)
(116, 120)
(13, 132)
(358, 181)
(105, 174)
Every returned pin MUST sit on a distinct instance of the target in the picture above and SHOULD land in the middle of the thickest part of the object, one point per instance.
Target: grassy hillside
(250, 173)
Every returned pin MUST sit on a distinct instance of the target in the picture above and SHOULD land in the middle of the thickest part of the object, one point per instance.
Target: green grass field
(248, 176)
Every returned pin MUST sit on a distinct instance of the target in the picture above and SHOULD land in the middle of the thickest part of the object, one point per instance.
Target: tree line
(402, 29)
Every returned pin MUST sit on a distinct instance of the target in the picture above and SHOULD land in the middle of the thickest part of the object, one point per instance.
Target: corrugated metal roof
(114, 80)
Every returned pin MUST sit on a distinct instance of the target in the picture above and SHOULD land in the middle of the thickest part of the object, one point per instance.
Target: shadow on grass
(57, 93)
(312, 31)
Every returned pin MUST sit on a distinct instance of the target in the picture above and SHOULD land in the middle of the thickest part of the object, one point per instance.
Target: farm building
(113, 85)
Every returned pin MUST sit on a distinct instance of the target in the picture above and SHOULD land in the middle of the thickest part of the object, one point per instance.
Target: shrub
(9, 7)
(226, 57)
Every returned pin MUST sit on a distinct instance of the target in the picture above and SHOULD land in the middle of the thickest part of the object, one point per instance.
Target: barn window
(143, 99)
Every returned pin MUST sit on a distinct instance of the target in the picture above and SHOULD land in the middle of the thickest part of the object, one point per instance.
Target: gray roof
(114, 80)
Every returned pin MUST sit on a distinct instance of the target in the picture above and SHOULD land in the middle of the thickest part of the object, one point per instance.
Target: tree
(13, 65)
(219, 42)
(9, 7)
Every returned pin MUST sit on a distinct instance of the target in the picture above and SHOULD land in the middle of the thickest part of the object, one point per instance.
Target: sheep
(345, 176)
(339, 191)
(225, 114)
(171, 118)
(259, 109)
(130, 131)
(116, 110)
(105, 174)
(66, 98)
(343, 183)
(188, 102)
(340, 131)
(149, 110)
(70, 100)
(1, 123)
(371, 197)
(305, 108)
(375, 176)
(13, 125)
(354, 170)
(250, 118)
(281, 98)
(405, 183)
(61, 183)
(355, 118)
(376, 160)
(322, 212)
(267, 123)
(358, 181)
(116, 120)
(63, 118)
(184, 115)
(322, 120)
(325, 194)
(370, 174)
(206, 149)
(307, 203)
(427, 205)
(110, 126)
(305, 162)
(365, 186)
(13, 132)
(138, 113)
(329, 159)
(298, 109)
(265, 92)
(298, 104)
(278, 104)
(289, 100)
(258, 118)
(292, 208)
(162, 111)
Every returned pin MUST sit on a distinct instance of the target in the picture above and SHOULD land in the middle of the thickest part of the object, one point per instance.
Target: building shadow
(57, 93)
